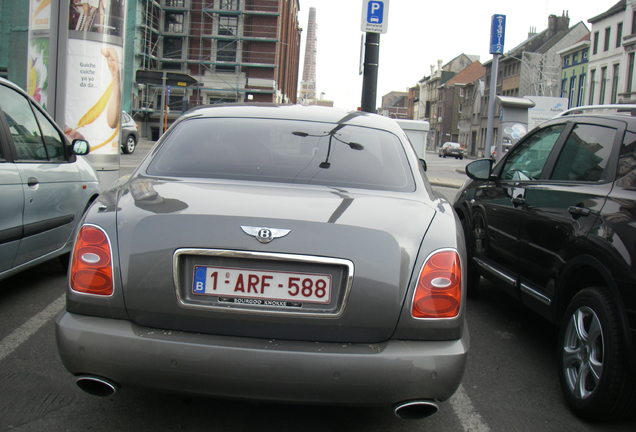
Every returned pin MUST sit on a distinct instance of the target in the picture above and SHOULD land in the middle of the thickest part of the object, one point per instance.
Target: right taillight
(439, 287)
(91, 267)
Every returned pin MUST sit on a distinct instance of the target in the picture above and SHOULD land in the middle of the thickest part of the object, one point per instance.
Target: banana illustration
(41, 6)
(94, 112)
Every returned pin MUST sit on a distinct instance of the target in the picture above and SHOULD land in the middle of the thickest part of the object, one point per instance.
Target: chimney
(557, 24)
(439, 64)
(532, 32)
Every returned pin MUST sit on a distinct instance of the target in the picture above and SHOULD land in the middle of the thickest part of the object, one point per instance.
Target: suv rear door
(562, 207)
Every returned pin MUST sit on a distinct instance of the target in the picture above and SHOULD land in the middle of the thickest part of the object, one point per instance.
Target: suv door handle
(579, 211)
(32, 181)
(517, 201)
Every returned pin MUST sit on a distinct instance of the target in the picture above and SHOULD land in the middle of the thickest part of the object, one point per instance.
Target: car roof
(294, 112)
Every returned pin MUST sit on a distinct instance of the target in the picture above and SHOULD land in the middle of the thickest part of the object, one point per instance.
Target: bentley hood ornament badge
(264, 234)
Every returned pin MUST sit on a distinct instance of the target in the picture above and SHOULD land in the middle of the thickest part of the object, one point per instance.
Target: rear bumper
(264, 369)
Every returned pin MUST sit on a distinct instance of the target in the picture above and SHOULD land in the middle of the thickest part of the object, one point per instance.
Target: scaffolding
(216, 41)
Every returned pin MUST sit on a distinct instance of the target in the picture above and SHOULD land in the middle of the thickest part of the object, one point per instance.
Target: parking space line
(468, 416)
(13, 340)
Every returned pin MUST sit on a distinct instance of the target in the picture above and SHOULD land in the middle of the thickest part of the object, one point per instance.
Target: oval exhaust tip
(414, 410)
(96, 386)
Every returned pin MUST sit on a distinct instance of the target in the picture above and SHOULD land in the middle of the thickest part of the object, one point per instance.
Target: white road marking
(13, 340)
(466, 412)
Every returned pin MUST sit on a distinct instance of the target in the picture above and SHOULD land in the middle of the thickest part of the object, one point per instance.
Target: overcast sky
(419, 33)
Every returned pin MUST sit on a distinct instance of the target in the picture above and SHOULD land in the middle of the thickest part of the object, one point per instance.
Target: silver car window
(23, 127)
(285, 151)
(52, 139)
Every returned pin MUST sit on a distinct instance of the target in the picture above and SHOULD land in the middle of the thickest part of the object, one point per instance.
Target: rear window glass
(284, 151)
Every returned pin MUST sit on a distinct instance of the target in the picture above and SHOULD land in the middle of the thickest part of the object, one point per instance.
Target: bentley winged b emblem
(263, 234)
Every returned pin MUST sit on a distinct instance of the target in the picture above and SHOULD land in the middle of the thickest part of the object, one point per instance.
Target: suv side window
(626, 175)
(526, 162)
(23, 127)
(585, 154)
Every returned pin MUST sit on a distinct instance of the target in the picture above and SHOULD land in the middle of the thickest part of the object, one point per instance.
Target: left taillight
(91, 267)
(439, 287)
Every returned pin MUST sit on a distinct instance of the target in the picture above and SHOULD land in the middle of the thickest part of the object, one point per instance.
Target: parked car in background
(44, 186)
(129, 133)
(554, 223)
(451, 149)
(280, 253)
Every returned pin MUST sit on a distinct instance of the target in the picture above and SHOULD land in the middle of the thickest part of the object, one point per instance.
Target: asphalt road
(510, 382)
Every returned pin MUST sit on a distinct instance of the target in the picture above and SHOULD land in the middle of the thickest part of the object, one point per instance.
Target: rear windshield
(284, 151)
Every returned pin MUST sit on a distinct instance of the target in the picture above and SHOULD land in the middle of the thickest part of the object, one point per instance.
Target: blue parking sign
(375, 12)
(375, 16)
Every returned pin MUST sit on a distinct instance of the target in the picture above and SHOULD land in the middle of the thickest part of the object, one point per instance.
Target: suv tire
(596, 376)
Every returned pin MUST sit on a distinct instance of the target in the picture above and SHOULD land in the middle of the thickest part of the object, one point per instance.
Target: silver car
(277, 253)
(44, 186)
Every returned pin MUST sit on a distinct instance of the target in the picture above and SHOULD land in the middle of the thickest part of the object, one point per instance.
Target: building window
(601, 96)
(619, 34)
(606, 42)
(228, 26)
(226, 52)
(571, 92)
(584, 55)
(566, 61)
(630, 73)
(564, 82)
(595, 43)
(579, 100)
(590, 100)
(173, 23)
(172, 47)
(175, 3)
(634, 22)
(614, 83)
(229, 4)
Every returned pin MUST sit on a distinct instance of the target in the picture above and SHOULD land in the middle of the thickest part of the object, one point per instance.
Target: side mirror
(480, 169)
(423, 164)
(80, 147)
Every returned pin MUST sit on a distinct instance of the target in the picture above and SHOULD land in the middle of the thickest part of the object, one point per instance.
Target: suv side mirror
(80, 147)
(480, 169)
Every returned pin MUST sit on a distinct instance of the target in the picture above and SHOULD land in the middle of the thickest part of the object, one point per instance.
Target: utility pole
(375, 15)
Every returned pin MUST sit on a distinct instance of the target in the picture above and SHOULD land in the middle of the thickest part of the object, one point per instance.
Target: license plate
(266, 285)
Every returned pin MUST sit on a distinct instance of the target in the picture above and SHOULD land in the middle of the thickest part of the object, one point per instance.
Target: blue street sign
(375, 12)
(375, 16)
(497, 34)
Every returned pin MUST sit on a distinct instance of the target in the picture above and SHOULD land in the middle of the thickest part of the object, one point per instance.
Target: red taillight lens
(439, 287)
(91, 269)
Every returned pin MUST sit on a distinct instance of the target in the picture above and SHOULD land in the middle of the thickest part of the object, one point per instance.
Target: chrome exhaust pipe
(96, 386)
(414, 410)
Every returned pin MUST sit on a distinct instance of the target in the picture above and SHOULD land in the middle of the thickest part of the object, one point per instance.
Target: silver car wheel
(130, 144)
(583, 349)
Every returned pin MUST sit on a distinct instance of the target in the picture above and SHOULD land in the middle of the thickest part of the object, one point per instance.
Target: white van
(417, 132)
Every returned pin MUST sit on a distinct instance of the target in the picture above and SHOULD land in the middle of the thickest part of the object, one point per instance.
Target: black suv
(554, 224)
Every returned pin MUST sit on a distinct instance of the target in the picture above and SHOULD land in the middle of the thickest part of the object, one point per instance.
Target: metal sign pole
(492, 94)
(370, 78)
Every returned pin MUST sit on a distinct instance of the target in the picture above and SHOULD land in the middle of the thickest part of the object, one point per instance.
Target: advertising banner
(38, 50)
(93, 74)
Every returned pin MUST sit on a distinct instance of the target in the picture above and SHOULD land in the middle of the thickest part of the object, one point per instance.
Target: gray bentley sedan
(280, 253)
